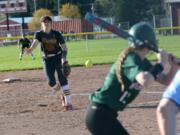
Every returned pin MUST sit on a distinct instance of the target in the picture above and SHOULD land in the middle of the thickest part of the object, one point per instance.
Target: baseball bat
(118, 31)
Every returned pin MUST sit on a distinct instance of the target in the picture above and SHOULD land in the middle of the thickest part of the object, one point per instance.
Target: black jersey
(24, 42)
(50, 42)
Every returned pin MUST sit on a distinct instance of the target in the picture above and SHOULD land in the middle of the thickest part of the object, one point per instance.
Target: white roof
(28, 19)
(172, 1)
(19, 19)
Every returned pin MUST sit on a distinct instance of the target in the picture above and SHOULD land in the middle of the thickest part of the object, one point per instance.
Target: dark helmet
(144, 35)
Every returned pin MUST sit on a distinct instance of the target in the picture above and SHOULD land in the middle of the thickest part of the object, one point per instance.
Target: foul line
(87, 94)
(153, 92)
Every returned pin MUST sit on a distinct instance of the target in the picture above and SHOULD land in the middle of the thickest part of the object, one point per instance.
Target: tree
(128, 11)
(100, 5)
(132, 11)
(70, 11)
(156, 7)
(84, 5)
(35, 22)
(2, 16)
(52, 5)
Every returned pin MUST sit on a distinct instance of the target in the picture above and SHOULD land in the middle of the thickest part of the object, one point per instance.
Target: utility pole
(92, 8)
(7, 21)
(58, 7)
(34, 5)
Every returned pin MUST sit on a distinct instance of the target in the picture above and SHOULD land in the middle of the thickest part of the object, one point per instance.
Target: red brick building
(73, 26)
(14, 28)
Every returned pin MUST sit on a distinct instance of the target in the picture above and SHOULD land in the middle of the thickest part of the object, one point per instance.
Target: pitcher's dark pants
(51, 65)
(100, 120)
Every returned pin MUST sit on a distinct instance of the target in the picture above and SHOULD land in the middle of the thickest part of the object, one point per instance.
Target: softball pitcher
(128, 75)
(54, 52)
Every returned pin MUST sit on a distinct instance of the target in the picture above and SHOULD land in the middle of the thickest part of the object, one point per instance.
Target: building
(62, 24)
(10, 28)
(73, 26)
(173, 12)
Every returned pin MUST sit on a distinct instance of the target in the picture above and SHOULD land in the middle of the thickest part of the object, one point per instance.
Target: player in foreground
(54, 52)
(24, 43)
(128, 75)
(169, 107)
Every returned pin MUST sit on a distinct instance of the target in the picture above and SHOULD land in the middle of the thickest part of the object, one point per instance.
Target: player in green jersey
(128, 75)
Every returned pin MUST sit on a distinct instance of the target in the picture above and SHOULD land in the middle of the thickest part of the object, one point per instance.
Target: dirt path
(27, 107)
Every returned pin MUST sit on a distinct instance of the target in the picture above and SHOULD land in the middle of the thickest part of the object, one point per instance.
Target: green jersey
(110, 92)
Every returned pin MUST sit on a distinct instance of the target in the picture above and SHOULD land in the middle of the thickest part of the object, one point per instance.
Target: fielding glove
(66, 69)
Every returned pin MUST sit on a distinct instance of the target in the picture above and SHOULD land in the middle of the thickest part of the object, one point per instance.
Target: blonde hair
(119, 63)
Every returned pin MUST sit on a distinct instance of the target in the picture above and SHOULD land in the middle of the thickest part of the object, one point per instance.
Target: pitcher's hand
(28, 50)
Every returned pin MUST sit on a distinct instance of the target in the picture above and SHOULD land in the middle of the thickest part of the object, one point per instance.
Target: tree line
(122, 10)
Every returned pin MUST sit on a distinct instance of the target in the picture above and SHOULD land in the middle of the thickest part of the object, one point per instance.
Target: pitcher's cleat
(66, 107)
(62, 101)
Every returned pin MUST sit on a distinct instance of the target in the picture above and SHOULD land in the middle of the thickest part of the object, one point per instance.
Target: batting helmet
(144, 35)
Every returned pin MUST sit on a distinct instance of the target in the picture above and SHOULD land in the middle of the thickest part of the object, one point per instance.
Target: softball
(88, 64)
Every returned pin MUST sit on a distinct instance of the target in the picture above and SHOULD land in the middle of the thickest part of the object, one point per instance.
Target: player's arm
(166, 78)
(34, 43)
(63, 46)
(145, 79)
(66, 67)
(33, 46)
(64, 52)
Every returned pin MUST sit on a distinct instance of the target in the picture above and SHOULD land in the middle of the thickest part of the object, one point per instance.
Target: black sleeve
(37, 36)
(60, 37)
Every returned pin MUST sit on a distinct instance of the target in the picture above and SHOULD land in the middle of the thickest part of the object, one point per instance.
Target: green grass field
(100, 51)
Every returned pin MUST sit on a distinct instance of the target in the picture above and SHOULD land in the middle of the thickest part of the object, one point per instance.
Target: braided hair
(119, 64)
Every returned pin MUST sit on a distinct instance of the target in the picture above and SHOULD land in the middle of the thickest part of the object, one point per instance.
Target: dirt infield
(27, 106)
